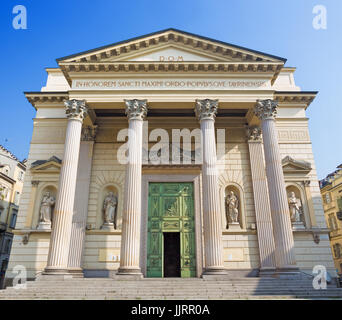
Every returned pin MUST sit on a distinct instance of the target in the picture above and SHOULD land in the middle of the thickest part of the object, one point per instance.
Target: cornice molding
(46, 97)
(171, 36)
(298, 97)
(171, 67)
(114, 57)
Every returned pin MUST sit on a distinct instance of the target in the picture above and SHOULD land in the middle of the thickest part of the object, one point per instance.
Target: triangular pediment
(51, 165)
(292, 165)
(171, 53)
(171, 43)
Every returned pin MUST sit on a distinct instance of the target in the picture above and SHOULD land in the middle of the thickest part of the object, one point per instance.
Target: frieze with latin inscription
(169, 84)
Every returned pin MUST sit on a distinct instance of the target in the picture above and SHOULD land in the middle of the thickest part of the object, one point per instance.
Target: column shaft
(213, 249)
(283, 235)
(130, 238)
(62, 218)
(266, 110)
(211, 201)
(262, 205)
(79, 220)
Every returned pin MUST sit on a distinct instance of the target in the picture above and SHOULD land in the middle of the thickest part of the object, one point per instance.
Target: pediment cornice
(46, 97)
(183, 39)
(51, 165)
(222, 57)
(291, 165)
(295, 97)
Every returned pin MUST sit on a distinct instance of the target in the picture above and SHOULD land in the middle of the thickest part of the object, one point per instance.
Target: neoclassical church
(170, 155)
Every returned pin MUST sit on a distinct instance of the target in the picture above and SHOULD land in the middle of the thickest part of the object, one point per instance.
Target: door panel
(170, 209)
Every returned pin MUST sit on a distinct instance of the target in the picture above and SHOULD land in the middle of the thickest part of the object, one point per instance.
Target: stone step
(199, 285)
(169, 289)
(194, 289)
(172, 297)
(177, 287)
(237, 289)
(175, 292)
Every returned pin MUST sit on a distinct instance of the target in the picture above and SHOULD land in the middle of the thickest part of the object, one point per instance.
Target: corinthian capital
(206, 109)
(136, 109)
(76, 109)
(266, 109)
(253, 133)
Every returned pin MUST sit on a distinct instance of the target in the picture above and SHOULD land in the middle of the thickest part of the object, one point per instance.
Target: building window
(7, 246)
(327, 198)
(20, 175)
(332, 222)
(3, 192)
(337, 250)
(4, 265)
(13, 219)
(16, 198)
(6, 170)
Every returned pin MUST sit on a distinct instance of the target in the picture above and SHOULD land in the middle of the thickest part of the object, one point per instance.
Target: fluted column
(136, 111)
(79, 219)
(61, 228)
(212, 218)
(261, 202)
(266, 110)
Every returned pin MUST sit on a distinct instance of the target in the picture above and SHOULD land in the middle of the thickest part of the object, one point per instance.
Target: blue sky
(283, 28)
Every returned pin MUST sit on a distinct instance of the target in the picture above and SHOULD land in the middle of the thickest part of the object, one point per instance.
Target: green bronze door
(171, 209)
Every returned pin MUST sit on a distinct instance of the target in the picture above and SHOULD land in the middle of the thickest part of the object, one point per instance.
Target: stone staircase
(169, 289)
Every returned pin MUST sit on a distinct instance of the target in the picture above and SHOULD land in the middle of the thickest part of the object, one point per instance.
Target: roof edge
(175, 30)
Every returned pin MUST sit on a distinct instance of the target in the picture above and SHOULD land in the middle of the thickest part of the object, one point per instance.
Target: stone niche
(297, 206)
(45, 207)
(108, 208)
(233, 208)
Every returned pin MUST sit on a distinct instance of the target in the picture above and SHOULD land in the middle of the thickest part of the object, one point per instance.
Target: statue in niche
(232, 209)
(295, 208)
(110, 211)
(45, 214)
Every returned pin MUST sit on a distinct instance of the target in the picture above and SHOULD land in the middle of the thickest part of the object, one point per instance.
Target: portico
(166, 127)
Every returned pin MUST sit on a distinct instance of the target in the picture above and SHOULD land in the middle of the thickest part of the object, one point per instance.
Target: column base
(76, 272)
(129, 273)
(54, 274)
(215, 273)
(288, 273)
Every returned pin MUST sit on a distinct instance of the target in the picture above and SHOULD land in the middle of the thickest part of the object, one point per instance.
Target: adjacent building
(12, 172)
(171, 155)
(331, 190)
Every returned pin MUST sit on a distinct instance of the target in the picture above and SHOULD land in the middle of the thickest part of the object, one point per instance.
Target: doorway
(171, 250)
(172, 254)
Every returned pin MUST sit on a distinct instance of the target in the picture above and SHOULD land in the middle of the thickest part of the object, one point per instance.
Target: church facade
(170, 155)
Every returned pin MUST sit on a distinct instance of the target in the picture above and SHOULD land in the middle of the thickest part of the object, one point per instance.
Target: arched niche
(104, 191)
(42, 190)
(238, 192)
(300, 195)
